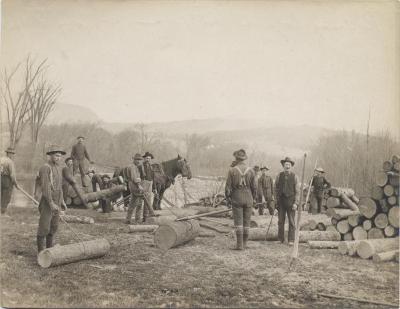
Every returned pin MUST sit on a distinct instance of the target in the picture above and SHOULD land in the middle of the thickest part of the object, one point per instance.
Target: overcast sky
(293, 62)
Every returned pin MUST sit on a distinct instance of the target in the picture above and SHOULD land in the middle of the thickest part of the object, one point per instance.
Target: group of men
(245, 189)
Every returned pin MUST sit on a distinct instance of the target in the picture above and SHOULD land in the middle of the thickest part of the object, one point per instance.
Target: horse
(164, 176)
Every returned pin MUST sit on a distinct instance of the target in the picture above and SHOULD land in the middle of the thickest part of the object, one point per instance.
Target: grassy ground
(202, 273)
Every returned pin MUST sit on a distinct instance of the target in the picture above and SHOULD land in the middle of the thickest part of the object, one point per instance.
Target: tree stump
(176, 233)
(392, 200)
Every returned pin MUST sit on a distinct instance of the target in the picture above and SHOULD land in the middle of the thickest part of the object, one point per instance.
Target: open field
(204, 272)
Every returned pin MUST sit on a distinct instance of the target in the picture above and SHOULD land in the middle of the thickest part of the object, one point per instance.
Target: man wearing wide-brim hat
(266, 191)
(50, 180)
(241, 193)
(78, 154)
(8, 178)
(319, 185)
(287, 194)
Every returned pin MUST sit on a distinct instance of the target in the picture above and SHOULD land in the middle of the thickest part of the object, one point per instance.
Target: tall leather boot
(40, 243)
(49, 241)
(245, 237)
(239, 239)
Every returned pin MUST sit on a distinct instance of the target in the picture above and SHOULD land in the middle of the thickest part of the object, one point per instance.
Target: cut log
(387, 166)
(176, 233)
(344, 213)
(335, 192)
(388, 190)
(392, 201)
(394, 180)
(375, 233)
(367, 207)
(359, 233)
(304, 236)
(323, 224)
(377, 193)
(367, 225)
(390, 231)
(332, 202)
(347, 247)
(59, 255)
(381, 179)
(76, 219)
(346, 200)
(348, 236)
(315, 244)
(95, 196)
(142, 228)
(367, 248)
(343, 226)
(381, 220)
(354, 220)
(385, 256)
(161, 220)
(393, 216)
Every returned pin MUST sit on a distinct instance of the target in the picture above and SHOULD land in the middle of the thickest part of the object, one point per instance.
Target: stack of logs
(376, 217)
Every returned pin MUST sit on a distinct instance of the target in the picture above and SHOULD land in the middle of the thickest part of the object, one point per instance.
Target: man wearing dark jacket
(78, 155)
(265, 191)
(319, 184)
(8, 179)
(148, 180)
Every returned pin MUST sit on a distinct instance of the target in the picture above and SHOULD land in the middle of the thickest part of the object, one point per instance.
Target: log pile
(72, 198)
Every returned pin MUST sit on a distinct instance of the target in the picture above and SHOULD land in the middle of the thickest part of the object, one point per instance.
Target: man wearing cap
(319, 184)
(147, 183)
(265, 190)
(78, 155)
(69, 180)
(240, 192)
(8, 178)
(50, 178)
(287, 194)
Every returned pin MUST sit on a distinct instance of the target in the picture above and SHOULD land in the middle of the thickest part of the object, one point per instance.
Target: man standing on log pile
(78, 155)
(50, 176)
(266, 192)
(287, 193)
(241, 193)
(8, 178)
(319, 184)
(148, 183)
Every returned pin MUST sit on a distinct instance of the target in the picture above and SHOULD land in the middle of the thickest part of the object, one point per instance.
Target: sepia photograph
(199, 153)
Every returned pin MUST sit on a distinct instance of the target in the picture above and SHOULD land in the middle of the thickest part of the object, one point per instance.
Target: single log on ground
(304, 236)
(394, 216)
(348, 236)
(335, 192)
(394, 180)
(359, 233)
(59, 255)
(367, 248)
(385, 256)
(346, 247)
(76, 219)
(375, 233)
(341, 214)
(354, 220)
(388, 190)
(332, 202)
(389, 231)
(381, 220)
(142, 228)
(367, 207)
(348, 202)
(381, 179)
(315, 244)
(95, 196)
(161, 220)
(176, 233)
(367, 225)
(261, 233)
(377, 193)
(392, 201)
(343, 226)
(387, 166)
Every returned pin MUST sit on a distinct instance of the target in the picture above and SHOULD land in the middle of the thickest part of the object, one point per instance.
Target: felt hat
(287, 159)
(80, 136)
(10, 150)
(148, 154)
(264, 167)
(55, 149)
(320, 169)
(240, 154)
(137, 156)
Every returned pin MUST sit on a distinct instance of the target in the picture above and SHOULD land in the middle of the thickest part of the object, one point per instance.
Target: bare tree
(17, 101)
(146, 139)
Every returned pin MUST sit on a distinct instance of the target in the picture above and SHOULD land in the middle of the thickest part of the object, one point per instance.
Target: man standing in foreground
(287, 195)
(78, 155)
(8, 178)
(240, 192)
(50, 177)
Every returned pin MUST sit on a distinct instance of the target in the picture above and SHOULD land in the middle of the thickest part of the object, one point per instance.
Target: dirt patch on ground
(202, 273)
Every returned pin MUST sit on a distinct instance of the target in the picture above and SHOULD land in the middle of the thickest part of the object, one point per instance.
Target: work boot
(129, 214)
(245, 238)
(49, 241)
(239, 240)
(40, 243)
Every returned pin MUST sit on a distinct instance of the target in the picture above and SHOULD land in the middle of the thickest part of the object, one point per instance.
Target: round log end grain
(367, 207)
(359, 233)
(377, 193)
(343, 226)
(392, 200)
(388, 190)
(176, 233)
(385, 256)
(387, 166)
(393, 216)
(389, 231)
(375, 233)
(348, 236)
(381, 179)
(367, 248)
(381, 220)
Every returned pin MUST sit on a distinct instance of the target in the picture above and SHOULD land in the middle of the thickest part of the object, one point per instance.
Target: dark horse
(164, 175)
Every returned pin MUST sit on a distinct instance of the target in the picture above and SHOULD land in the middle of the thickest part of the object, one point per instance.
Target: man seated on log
(287, 194)
(319, 185)
(50, 179)
(240, 192)
(265, 192)
(105, 203)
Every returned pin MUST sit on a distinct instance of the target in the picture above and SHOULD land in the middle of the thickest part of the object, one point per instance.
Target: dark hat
(106, 176)
(137, 156)
(80, 136)
(264, 167)
(320, 169)
(55, 149)
(256, 168)
(67, 159)
(287, 159)
(10, 150)
(240, 154)
(148, 154)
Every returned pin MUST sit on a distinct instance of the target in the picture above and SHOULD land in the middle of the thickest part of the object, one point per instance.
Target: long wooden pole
(28, 196)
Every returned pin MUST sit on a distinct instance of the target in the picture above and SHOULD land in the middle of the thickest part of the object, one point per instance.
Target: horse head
(184, 167)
